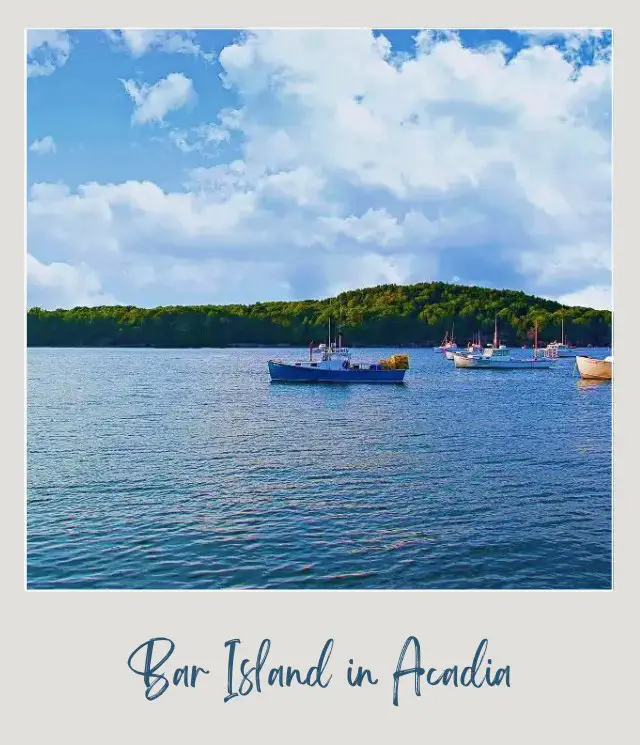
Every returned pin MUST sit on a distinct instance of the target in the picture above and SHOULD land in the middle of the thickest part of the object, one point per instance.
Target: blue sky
(179, 167)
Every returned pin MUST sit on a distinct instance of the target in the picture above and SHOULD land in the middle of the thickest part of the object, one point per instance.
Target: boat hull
(479, 363)
(282, 372)
(594, 369)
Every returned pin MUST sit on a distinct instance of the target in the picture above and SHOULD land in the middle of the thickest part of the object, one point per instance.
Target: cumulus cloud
(205, 139)
(446, 162)
(59, 285)
(573, 41)
(141, 41)
(44, 146)
(47, 50)
(153, 102)
(594, 296)
(567, 261)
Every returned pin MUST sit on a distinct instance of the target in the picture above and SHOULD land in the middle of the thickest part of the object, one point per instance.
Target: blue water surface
(188, 469)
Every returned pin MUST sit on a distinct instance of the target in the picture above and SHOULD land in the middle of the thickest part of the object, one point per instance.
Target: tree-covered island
(387, 315)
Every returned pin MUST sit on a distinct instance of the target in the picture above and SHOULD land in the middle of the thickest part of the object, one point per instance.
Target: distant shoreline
(403, 316)
(271, 346)
(220, 346)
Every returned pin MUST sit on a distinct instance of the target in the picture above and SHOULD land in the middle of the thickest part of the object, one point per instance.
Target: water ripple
(186, 469)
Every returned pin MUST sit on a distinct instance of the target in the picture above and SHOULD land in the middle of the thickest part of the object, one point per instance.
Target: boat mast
(495, 333)
(562, 332)
(535, 341)
(329, 334)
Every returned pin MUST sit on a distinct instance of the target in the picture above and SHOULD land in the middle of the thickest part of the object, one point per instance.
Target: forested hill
(393, 315)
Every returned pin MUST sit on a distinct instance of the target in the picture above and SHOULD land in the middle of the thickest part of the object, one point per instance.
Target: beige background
(571, 654)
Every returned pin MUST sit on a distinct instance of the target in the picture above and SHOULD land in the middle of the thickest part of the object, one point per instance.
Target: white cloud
(566, 262)
(448, 162)
(576, 45)
(204, 139)
(375, 226)
(302, 185)
(573, 36)
(371, 269)
(47, 50)
(594, 296)
(121, 215)
(141, 41)
(153, 102)
(63, 286)
(449, 121)
(44, 146)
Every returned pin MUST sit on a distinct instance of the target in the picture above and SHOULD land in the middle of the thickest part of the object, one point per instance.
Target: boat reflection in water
(592, 385)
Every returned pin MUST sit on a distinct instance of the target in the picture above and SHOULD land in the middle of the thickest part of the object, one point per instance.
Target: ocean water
(188, 469)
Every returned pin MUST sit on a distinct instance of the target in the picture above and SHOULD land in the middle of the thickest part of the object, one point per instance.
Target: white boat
(473, 347)
(448, 345)
(559, 348)
(591, 368)
(498, 357)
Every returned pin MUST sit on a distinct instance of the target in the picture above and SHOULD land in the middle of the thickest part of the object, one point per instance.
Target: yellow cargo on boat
(400, 361)
(395, 362)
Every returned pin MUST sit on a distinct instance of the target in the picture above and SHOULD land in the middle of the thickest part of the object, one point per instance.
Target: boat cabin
(330, 358)
(497, 352)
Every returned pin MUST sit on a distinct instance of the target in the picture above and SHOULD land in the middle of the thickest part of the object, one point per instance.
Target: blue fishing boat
(333, 364)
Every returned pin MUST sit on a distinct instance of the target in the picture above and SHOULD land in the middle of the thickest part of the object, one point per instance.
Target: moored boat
(498, 357)
(592, 368)
(336, 366)
(559, 348)
(473, 347)
(448, 345)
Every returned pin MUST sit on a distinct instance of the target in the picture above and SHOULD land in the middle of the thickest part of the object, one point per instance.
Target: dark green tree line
(419, 314)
